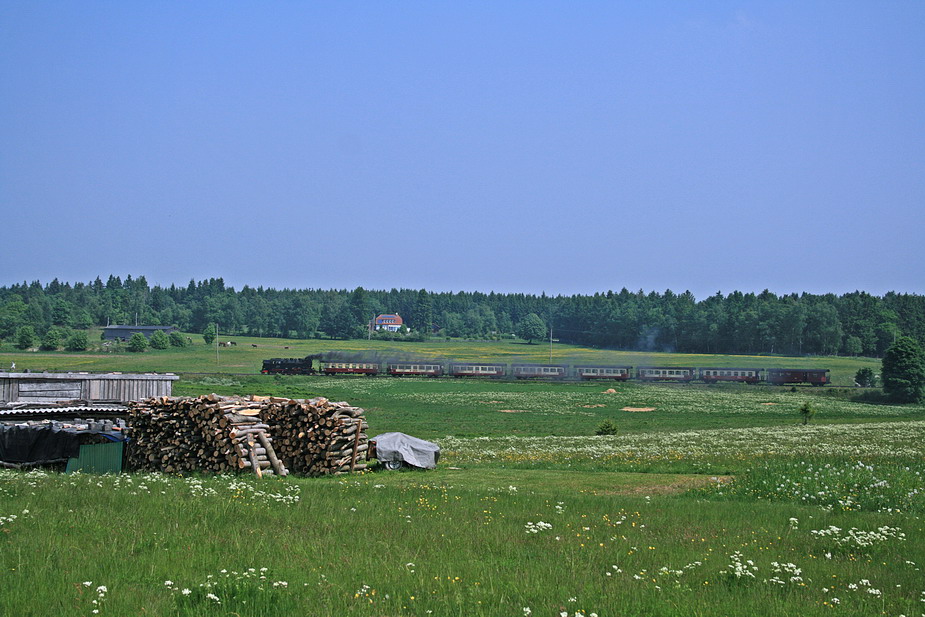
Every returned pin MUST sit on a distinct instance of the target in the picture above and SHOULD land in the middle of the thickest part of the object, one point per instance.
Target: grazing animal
(253, 345)
(233, 344)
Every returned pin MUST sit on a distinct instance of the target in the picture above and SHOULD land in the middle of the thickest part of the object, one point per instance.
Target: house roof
(137, 327)
(394, 318)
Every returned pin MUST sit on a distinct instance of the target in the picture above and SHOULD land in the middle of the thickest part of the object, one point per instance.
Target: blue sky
(507, 146)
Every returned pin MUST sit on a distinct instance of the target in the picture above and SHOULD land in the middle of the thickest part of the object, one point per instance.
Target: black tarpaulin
(37, 444)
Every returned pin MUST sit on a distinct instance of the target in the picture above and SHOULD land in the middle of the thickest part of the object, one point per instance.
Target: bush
(865, 378)
(77, 341)
(177, 339)
(53, 339)
(138, 342)
(807, 411)
(159, 340)
(25, 337)
(607, 427)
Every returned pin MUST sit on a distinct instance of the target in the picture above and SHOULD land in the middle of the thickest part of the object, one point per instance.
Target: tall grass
(432, 544)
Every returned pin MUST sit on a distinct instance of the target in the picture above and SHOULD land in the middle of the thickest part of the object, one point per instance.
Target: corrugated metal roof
(59, 410)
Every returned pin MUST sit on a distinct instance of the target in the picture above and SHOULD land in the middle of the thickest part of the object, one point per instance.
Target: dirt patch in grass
(514, 411)
(769, 403)
(491, 402)
(638, 409)
(595, 406)
(672, 487)
(610, 391)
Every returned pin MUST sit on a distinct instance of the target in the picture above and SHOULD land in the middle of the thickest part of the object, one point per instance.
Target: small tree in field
(807, 411)
(903, 371)
(531, 328)
(177, 339)
(138, 342)
(210, 333)
(865, 378)
(607, 427)
(159, 340)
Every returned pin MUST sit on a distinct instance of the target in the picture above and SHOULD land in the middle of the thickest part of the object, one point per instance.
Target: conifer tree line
(855, 323)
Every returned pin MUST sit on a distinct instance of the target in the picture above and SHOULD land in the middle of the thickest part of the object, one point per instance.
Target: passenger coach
(743, 375)
(350, 368)
(538, 371)
(665, 373)
(618, 373)
(478, 370)
(404, 369)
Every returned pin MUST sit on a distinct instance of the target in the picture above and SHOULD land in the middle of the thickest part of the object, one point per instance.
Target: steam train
(318, 365)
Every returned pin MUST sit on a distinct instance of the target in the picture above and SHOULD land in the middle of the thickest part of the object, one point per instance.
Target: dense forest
(851, 324)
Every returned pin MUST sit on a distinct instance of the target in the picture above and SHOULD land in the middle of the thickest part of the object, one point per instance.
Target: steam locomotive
(319, 365)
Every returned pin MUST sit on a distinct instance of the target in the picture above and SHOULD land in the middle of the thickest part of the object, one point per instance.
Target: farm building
(124, 333)
(388, 321)
(91, 387)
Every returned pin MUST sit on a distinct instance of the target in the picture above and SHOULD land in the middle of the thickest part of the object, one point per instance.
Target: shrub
(177, 339)
(138, 342)
(807, 411)
(865, 378)
(159, 340)
(607, 427)
(77, 341)
(53, 339)
(25, 337)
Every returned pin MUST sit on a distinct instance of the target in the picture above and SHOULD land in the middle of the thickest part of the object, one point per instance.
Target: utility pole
(550, 335)
(550, 340)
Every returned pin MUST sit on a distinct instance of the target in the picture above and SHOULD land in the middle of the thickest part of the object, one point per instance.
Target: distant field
(434, 408)
(245, 358)
(710, 500)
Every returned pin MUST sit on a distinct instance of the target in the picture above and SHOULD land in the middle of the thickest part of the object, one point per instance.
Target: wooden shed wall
(43, 388)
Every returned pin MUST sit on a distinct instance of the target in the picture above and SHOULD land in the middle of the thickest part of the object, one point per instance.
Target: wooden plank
(45, 386)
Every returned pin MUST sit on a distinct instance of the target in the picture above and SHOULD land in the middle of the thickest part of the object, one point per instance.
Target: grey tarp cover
(411, 450)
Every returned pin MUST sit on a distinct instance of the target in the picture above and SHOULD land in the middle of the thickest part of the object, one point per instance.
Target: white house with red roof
(388, 321)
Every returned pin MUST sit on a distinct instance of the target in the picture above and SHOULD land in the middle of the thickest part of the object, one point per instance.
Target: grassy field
(434, 408)
(716, 500)
(451, 542)
(246, 358)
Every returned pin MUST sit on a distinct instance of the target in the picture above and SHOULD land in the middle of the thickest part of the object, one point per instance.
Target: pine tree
(903, 371)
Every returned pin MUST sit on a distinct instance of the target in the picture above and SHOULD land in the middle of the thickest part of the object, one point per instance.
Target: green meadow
(710, 500)
(248, 355)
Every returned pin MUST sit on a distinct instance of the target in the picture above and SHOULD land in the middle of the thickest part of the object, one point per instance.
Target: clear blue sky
(509, 146)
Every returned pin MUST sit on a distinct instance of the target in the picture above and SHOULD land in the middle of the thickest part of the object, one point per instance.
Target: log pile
(263, 435)
(318, 437)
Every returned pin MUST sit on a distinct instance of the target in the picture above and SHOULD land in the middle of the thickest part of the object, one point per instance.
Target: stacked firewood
(318, 437)
(264, 435)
